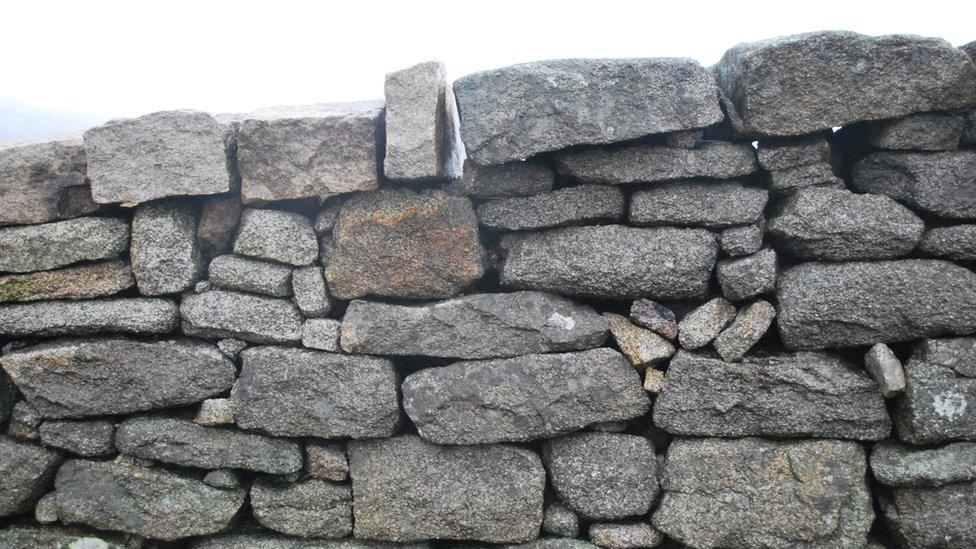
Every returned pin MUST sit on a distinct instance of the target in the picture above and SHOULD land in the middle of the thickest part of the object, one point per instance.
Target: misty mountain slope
(18, 120)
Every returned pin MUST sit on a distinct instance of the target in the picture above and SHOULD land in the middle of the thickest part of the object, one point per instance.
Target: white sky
(133, 57)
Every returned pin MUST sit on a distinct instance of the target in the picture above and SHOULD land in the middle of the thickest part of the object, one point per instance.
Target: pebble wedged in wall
(656, 305)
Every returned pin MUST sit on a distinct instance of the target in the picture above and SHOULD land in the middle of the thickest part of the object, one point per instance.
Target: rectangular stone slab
(129, 315)
(38, 177)
(649, 163)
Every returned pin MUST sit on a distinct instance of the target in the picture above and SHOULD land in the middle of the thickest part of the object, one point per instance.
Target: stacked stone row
(566, 304)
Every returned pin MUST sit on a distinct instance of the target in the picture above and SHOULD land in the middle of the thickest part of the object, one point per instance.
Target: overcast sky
(133, 57)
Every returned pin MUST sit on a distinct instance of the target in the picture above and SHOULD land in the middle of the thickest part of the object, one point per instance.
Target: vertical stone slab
(165, 257)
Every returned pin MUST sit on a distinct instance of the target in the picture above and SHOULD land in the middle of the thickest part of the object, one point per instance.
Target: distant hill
(19, 120)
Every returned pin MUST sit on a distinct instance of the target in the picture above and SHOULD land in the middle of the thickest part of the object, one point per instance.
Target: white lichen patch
(949, 405)
(564, 322)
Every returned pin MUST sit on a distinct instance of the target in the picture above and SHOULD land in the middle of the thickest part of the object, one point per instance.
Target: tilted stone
(281, 155)
(862, 303)
(311, 294)
(944, 516)
(398, 243)
(259, 319)
(422, 135)
(806, 394)
(577, 205)
(149, 502)
(894, 464)
(504, 180)
(38, 178)
(813, 493)
(285, 237)
(338, 396)
(114, 375)
(169, 153)
(234, 272)
(490, 493)
(698, 203)
(165, 257)
(473, 326)
(641, 346)
(655, 317)
(88, 438)
(515, 112)
(703, 324)
(808, 82)
(77, 282)
(119, 315)
(611, 261)
(793, 152)
(917, 132)
(743, 240)
(885, 368)
(747, 328)
(307, 508)
(940, 183)
(647, 163)
(954, 242)
(218, 221)
(53, 245)
(744, 277)
(543, 395)
(20, 535)
(26, 471)
(183, 442)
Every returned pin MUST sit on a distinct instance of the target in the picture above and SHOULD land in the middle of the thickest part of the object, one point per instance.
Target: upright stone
(26, 471)
(748, 327)
(744, 277)
(165, 257)
(311, 294)
(650, 163)
(703, 324)
(309, 508)
(698, 203)
(886, 370)
(939, 183)
(133, 315)
(285, 237)
(503, 180)
(53, 245)
(218, 221)
(37, 179)
(939, 403)
(254, 318)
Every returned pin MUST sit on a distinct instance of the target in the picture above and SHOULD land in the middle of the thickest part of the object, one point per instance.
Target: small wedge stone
(699, 327)
(748, 327)
(886, 370)
(642, 347)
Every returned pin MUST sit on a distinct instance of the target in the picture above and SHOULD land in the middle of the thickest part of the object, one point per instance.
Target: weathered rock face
(570, 206)
(168, 153)
(487, 493)
(308, 508)
(882, 364)
(326, 460)
(234, 272)
(780, 395)
(253, 318)
(918, 132)
(560, 521)
(57, 318)
(844, 304)
(956, 242)
(611, 261)
(285, 237)
(218, 221)
(26, 471)
(149, 502)
(77, 282)
(808, 82)
(87, 438)
(474, 326)
(940, 392)
(648, 163)
(747, 328)
(397, 243)
(503, 180)
(940, 183)
(743, 240)
(516, 112)
(52, 245)
(745, 277)
(894, 464)
(36, 179)
(542, 395)
(622, 535)
(112, 375)
(328, 395)
(699, 204)
(813, 493)
(165, 257)
(307, 151)
(932, 517)
(703, 324)
(792, 152)
(59, 536)
(311, 295)
(279, 541)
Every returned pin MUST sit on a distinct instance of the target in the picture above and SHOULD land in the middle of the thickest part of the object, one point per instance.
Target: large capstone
(406, 489)
(26, 471)
(53, 245)
(76, 282)
(135, 315)
(941, 183)
(698, 203)
(37, 179)
(515, 112)
(259, 319)
(542, 395)
(165, 257)
(473, 326)
(806, 394)
(649, 163)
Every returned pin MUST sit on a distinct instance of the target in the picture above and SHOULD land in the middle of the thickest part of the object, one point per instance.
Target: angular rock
(603, 475)
(956, 242)
(311, 295)
(398, 243)
(53, 245)
(225, 479)
(939, 403)
(46, 509)
(91, 438)
(917, 132)
(653, 381)
(785, 182)
(26, 471)
(19, 535)
(813, 493)
(808, 82)
(743, 240)
(135, 315)
(218, 221)
(77, 282)
(285, 237)
(326, 219)
(308, 151)
(308, 508)
(642, 347)
(561, 521)
(862, 303)
(503, 180)
(165, 257)
(329, 395)
(611, 261)
(655, 317)
(231, 347)
(215, 411)
(647, 163)
(793, 152)
(326, 460)
(940, 183)
(149, 502)
(487, 493)
(183, 442)
(894, 464)
(37, 179)
(169, 153)
(541, 395)
(698, 203)
(264, 540)
(748, 327)
(745, 277)
(806, 394)
(931, 517)
(627, 535)
(322, 334)
(703, 324)
(577, 205)
(422, 139)
(24, 421)
(838, 225)
(234, 272)
(885, 368)
(258, 319)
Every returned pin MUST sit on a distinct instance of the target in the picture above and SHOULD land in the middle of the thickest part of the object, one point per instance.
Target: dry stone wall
(569, 304)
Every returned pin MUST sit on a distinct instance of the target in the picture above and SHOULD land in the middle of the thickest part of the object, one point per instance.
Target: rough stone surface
(86, 281)
(793, 152)
(398, 243)
(218, 221)
(561, 521)
(515, 112)
(473, 326)
(955, 242)
(19, 535)
(940, 183)
(422, 136)
(326, 219)
(36, 179)
(8, 395)
(627, 535)
(655, 317)
(577, 205)
(806, 394)
(234, 272)
(642, 347)
(932, 517)
(742, 240)
(939, 403)
(146, 315)
(326, 460)
(748, 327)
(215, 411)
(885, 368)
(647, 163)
(311, 294)
(273, 541)
(895, 464)
(698, 203)
(918, 132)
(308, 508)
(611, 261)
(653, 380)
(808, 82)
(745, 277)
(112, 375)
(862, 303)
(169, 153)
(52, 245)
(46, 510)
(225, 479)
(26, 471)
(328, 395)
(306, 151)
(259, 319)
(813, 494)
(487, 493)
(699, 327)
(165, 257)
(541, 395)
(603, 475)
(838, 225)
(149, 502)
(90, 438)
(504, 180)
(285, 237)
(322, 334)
(788, 181)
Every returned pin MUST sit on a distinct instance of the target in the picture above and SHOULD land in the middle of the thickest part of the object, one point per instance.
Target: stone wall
(596, 302)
